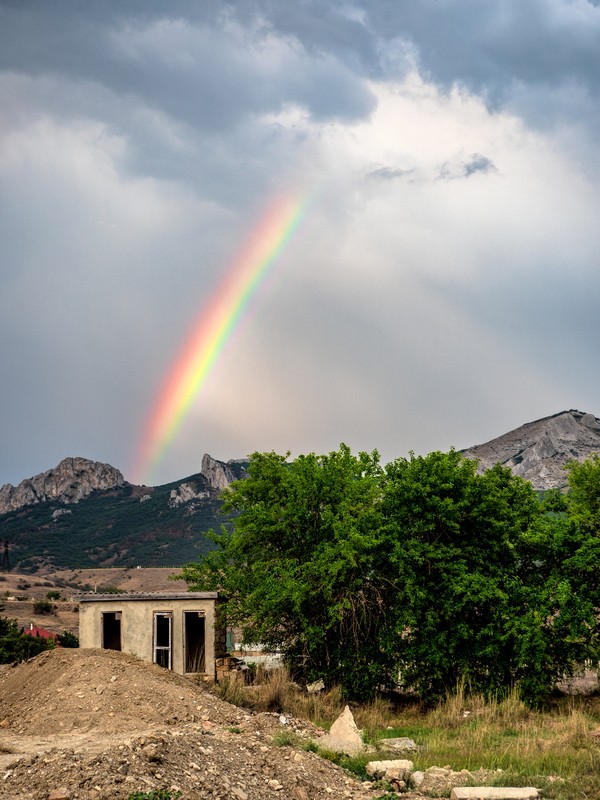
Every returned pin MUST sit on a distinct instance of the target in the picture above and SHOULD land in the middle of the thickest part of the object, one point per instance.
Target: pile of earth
(82, 724)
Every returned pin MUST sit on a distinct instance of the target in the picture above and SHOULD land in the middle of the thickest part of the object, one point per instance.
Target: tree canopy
(423, 571)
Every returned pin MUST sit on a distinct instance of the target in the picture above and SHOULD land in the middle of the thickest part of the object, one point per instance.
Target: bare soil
(144, 579)
(82, 724)
(19, 591)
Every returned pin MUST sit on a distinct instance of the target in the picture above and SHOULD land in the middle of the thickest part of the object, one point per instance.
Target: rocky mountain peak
(217, 473)
(68, 482)
(538, 451)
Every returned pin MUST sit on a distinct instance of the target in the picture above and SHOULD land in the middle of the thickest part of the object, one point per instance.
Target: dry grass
(273, 690)
(557, 750)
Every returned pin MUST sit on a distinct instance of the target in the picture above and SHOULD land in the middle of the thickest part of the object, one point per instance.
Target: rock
(401, 744)
(185, 493)
(317, 686)
(60, 794)
(538, 451)
(494, 793)
(343, 736)
(69, 482)
(416, 779)
(399, 769)
(439, 781)
(217, 473)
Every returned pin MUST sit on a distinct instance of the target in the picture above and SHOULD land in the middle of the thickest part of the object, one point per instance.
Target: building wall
(137, 626)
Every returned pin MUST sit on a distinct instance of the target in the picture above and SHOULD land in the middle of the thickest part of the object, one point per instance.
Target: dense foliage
(15, 645)
(423, 569)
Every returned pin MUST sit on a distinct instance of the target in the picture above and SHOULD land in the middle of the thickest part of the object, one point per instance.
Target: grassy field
(557, 749)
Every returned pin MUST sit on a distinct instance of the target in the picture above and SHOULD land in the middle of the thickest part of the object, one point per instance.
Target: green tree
(427, 568)
(15, 645)
(485, 599)
(583, 499)
(300, 567)
(67, 639)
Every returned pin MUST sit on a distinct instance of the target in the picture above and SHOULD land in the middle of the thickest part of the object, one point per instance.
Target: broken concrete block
(416, 779)
(494, 793)
(402, 744)
(399, 768)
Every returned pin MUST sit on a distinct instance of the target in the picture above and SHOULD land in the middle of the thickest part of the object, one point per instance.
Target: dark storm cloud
(189, 65)
(493, 49)
(140, 141)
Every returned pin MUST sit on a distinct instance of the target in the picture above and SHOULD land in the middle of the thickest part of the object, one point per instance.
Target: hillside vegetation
(112, 528)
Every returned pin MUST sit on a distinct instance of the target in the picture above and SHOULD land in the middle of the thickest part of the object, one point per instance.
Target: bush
(42, 607)
(53, 595)
(15, 645)
(67, 639)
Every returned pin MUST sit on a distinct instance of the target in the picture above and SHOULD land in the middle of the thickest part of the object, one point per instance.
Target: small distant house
(35, 630)
(180, 631)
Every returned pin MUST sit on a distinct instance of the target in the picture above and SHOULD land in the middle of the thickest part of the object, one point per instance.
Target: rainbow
(213, 329)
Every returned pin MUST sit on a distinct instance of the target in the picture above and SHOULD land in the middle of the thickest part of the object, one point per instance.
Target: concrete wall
(137, 625)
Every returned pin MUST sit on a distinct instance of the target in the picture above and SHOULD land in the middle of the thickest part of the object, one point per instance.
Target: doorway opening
(163, 625)
(111, 630)
(194, 632)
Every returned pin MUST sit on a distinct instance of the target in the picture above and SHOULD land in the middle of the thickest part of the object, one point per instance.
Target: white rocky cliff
(217, 473)
(539, 451)
(68, 482)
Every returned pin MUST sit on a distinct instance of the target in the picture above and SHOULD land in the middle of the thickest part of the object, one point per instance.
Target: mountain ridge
(84, 514)
(538, 451)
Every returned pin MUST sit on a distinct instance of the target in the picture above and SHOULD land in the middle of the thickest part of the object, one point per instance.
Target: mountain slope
(122, 525)
(538, 451)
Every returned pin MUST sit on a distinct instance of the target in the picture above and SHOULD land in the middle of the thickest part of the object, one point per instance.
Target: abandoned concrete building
(180, 631)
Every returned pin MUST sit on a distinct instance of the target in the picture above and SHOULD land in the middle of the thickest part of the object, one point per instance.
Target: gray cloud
(476, 163)
(141, 142)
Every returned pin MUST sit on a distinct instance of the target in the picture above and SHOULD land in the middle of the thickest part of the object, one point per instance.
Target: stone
(185, 493)
(317, 686)
(401, 744)
(343, 736)
(60, 794)
(399, 768)
(416, 779)
(494, 793)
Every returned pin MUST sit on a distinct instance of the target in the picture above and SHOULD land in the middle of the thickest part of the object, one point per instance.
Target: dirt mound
(65, 690)
(101, 724)
(200, 765)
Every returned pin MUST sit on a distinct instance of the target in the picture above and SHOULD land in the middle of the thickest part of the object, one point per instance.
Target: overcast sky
(442, 288)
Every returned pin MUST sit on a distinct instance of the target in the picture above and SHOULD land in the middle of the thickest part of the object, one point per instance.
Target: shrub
(53, 595)
(15, 645)
(67, 639)
(42, 607)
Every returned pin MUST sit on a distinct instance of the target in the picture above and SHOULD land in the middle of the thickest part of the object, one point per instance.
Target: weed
(285, 739)
(158, 794)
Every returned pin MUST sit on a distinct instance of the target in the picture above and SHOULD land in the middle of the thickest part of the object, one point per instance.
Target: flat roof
(93, 597)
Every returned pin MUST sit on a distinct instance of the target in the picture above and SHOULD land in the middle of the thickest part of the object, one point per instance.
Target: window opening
(111, 630)
(162, 639)
(194, 641)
